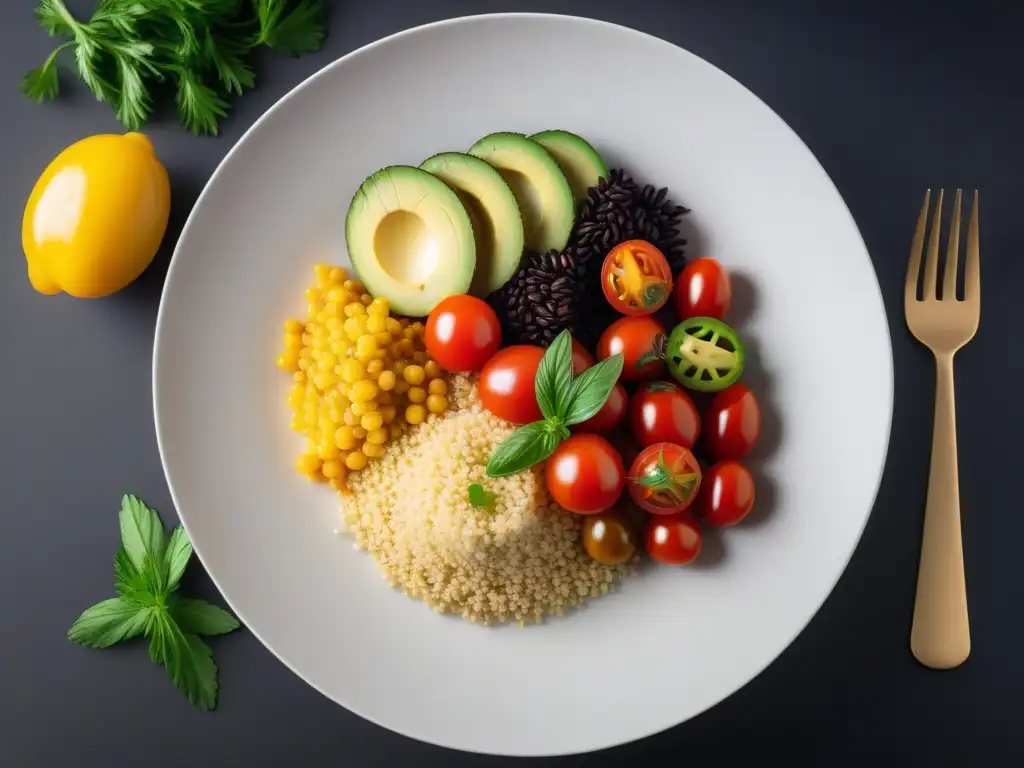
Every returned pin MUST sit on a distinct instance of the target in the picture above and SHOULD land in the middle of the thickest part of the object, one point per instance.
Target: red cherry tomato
(703, 289)
(640, 340)
(581, 359)
(507, 383)
(672, 539)
(612, 413)
(636, 278)
(660, 412)
(585, 474)
(727, 493)
(462, 333)
(733, 423)
(664, 478)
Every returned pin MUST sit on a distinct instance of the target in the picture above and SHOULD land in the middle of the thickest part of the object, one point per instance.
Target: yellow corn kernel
(401, 387)
(380, 306)
(392, 326)
(328, 451)
(437, 403)
(366, 347)
(388, 413)
(322, 271)
(338, 295)
(410, 333)
(293, 341)
(373, 450)
(308, 464)
(367, 299)
(356, 461)
(415, 414)
(386, 380)
(298, 423)
(419, 356)
(300, 377)
(359, 432)
(371, 421)
(414, 374)
(375, 323)
(396, 430)
(377, 436)
(353, 285)
(383, 339)
(354, 309)
(383, 398)
(417, 326)
(404, 348)
(403, 321)
(353, 371)
(363, 408)
(288, 361)
(331, 468)
(364, 390)
(417, 394)
(324, 380)
(294, 326)
(355, 327)
(374, 367)
(432, 369)
(338, 275)
(350, 418)
(345, 438)
(438, 387)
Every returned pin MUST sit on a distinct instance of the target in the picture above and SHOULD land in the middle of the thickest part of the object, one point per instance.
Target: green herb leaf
(199, 106)
(43, 84)
(142, 534)
(554, 377)
(109, 622)
(55, 18)
(480, 497)
(187, 659)
(134, 105)
(226, 56)
(198, 617)
(591, 389)
(525, 447)
(179, 550)
(300, 31)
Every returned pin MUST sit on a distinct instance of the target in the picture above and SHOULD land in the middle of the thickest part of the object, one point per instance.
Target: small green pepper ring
(704, 354)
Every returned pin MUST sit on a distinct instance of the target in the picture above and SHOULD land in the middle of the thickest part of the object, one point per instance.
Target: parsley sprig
(201, 47)
(147, 569)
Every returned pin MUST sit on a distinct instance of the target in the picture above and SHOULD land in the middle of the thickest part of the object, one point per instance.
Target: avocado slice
(410, 239)
(497, 223)
(540, 188)
(579, 161)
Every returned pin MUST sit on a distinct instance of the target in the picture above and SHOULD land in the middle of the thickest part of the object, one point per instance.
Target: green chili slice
(704, 354)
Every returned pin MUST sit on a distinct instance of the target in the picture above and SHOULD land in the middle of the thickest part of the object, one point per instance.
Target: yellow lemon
(96, 216)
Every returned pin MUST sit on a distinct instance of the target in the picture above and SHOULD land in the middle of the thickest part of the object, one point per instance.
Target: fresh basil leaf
(109, 622)
(179, 550)
(481, 497)
(554, 377)
(198, 617)
(142, 534)
(525, 447)
(591, 389)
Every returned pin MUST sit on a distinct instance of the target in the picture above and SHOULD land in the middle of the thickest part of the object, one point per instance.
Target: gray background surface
(891, 97)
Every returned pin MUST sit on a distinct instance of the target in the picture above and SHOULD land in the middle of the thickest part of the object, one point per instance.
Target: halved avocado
(497, 223)
(410, 239)
(541, 190)
(579, 161)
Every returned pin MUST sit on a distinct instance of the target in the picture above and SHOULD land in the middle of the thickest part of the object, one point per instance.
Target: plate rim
(324, 71)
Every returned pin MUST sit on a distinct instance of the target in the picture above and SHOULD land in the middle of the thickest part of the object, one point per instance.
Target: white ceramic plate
(813, 317)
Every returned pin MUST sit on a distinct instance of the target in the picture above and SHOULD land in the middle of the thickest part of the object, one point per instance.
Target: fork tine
(972, 268)
(914, 267)
(952, 251)
(931, 260)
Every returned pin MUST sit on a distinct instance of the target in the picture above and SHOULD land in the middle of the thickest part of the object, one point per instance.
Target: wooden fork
(940, 636)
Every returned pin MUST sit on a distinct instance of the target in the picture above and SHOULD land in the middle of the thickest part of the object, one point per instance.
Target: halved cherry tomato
(585, 474)
(612, 413)
(581, 359)
(660, 412)
(703, 289)
(608, 537)
(726, 494)
(507, 384)
(733, 423)
(636, 278)
(641, 340)
(672, 539)
(664, 478)
(462, 333)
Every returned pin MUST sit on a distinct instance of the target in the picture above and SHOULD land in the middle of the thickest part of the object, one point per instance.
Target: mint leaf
(142, 535)
(109, 622)
(591, 388)
(525, 447)
(128, 582)
(179, 550)
(188, 661)
(554, 377)
(480, 497)
(198, 617)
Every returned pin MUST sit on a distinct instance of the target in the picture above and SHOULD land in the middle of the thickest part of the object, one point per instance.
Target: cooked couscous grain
(520, 560)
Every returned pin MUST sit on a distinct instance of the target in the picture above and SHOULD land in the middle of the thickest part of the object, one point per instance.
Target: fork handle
(940, 636)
